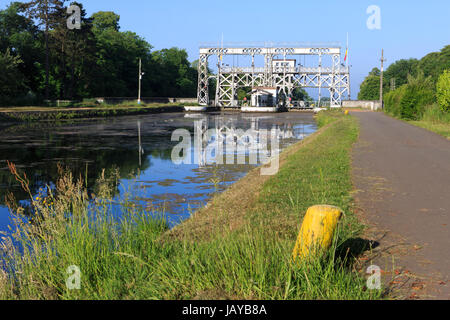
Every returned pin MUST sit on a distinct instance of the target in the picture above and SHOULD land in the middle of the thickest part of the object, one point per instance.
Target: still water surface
(140, 147)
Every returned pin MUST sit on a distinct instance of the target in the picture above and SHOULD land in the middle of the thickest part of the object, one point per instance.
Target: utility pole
(381, 78)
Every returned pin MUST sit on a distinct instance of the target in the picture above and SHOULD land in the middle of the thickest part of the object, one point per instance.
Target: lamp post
(140, 78)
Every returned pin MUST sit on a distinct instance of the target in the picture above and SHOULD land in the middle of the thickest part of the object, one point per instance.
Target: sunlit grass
(434, 119)
(440, 128)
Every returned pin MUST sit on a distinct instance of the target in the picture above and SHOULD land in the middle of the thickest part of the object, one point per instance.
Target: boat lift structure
(285, 77)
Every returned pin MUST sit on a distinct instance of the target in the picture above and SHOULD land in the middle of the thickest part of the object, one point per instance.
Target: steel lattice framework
(335, 78)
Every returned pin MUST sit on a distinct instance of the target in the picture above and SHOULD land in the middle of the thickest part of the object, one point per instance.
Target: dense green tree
(48, 14)
(105, 20)
(73, 57)
(370, 88)
(435, 63)
(12, 81)
(97, 60)
(19, 34)
(432, 65)
(375, 72)
(117, 57)
(300, 94)
(400, 70)
(175, 77)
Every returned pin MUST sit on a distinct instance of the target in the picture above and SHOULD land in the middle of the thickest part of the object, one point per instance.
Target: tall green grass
(127, 257)
(434, 113)
(435, 119)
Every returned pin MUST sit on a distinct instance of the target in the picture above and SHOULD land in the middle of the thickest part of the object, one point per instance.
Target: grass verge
(436, 120)
(433, 119)
(441, 128)
(238, 247)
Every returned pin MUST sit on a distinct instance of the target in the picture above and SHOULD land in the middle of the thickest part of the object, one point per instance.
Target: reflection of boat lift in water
(140, 150)
(194, 116)
(229, 138)
(200, 143)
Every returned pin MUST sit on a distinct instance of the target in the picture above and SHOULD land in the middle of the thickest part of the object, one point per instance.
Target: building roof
(264, 88)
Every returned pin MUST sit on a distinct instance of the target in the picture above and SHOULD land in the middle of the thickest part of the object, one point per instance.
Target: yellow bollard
(346, 112)
(317, 230)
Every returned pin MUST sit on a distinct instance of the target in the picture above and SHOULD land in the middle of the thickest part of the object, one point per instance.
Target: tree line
(41, 58)
(413, 87)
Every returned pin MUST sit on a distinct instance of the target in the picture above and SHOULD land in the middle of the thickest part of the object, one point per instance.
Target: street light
(140, 78)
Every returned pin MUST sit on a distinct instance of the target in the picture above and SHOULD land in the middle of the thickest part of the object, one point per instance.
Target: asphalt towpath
(401, 174)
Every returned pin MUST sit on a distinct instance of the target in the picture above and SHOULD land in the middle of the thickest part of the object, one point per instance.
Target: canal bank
(28, 114)
(242, 246)
(32, 114)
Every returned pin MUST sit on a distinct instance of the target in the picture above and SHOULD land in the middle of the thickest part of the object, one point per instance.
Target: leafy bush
(413, 102)
(392, 101)
(409, 101)
(443, 91)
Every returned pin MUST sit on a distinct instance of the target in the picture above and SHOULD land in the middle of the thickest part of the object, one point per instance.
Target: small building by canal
(264, 97)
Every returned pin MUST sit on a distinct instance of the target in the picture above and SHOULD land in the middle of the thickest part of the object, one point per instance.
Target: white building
(264, 97)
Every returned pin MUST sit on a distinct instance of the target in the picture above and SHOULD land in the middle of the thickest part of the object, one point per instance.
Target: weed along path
(402, 178)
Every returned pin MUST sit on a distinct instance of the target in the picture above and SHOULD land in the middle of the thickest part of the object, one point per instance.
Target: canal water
(140, 148)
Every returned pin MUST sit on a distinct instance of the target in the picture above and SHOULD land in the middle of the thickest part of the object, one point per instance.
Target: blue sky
(409, 28)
